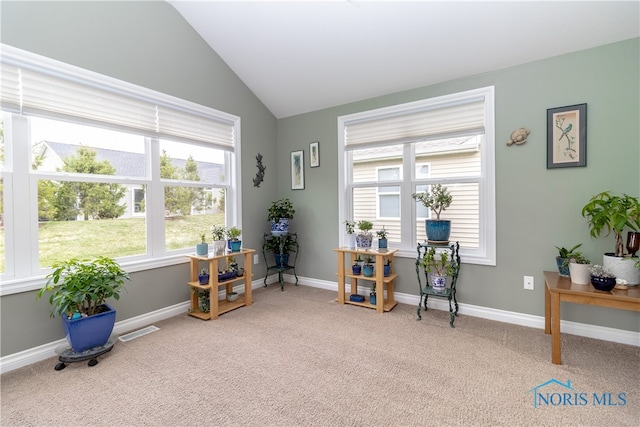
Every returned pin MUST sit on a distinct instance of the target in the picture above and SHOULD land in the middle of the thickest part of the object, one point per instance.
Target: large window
(103, 167)
(391, 153)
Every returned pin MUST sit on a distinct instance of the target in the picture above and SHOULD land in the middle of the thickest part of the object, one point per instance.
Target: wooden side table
(344, 272)
(217, 307)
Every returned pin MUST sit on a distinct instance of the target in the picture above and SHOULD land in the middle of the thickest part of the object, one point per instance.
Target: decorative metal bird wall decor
(260, 174)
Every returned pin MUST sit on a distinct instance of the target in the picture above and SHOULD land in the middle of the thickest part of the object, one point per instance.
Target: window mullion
(408, 214)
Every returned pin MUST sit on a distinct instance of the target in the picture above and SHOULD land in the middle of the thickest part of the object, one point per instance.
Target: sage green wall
(537, 208)
(149, 44)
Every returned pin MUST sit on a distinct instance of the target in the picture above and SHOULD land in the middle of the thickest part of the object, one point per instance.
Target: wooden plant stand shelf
(382, 283)
(219, 306)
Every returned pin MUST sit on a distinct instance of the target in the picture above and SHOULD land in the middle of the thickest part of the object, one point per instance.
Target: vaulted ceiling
(307, 55)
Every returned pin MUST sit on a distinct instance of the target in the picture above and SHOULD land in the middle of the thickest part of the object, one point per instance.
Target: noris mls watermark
(556, 393)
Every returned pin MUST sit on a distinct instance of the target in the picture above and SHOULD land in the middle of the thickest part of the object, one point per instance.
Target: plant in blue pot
(368, 267)
(280, 213)
(79, 290)
(203, 277)
(387, 268)
(563, 257)
(356, 268)
(233, 236)
(202, 248)
(438, 199)
(382, 238)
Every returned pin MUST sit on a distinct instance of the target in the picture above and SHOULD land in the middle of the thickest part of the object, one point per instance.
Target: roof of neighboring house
(132, 164)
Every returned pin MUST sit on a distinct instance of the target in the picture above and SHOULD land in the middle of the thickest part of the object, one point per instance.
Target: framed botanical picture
(314, 154)
(567, 136)
(297, 170)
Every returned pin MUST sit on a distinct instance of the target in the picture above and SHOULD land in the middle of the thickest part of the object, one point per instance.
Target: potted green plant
(218, 235)
(368, 267)
(579, 267)
(233, 242)
(438, 199)
(372, 294)
(608, 213)
(203, 277)
(202, 248)
(79, 290)
(351, 237)
(387, 268)
(281, 247)
(364, 236)
(563, 257)
(356, 268)
(280, 213)
(382, 238)
(440, 266)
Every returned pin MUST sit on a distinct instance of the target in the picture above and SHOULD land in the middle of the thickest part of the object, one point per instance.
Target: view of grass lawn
(60, 240)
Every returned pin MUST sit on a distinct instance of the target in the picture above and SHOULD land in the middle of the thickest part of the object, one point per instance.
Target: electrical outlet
(528, 282)
(256, 259)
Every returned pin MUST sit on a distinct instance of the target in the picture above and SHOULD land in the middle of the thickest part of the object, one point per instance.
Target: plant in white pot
(280, 213)
(437, 200)
(79, 290)
(350, 240)
(218, 234)
(579, 268)
(608, 213)
(440, 266)
(364, 236)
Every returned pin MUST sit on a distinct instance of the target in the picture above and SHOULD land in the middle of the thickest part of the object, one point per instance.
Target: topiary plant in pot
(79, 290)
(280, 213)
(608, 213)
(364, 236)
(438, 199)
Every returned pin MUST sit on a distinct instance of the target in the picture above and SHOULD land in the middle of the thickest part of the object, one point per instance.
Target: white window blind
(417, 123)
(32, 85)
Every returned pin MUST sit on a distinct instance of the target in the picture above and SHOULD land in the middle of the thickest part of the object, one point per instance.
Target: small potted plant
(372, 294)
(233, 242)
(602, 279)
(382, 238)
(364, 237)
(218, 234)
(563, 257)
(203, 277)
(79, 290)
(608, 213)
(281, 247)
(202, 248)
(437, 200)
(351, 237)
(368, 267)
(439, 265)
(579, 268)
(280, 213)
(387, 268)
(356, 268)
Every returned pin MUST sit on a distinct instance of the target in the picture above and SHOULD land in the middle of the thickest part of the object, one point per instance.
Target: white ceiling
(307, 55)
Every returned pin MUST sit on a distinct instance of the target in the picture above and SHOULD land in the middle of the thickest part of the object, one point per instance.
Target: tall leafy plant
(607, 213)
(83, 286)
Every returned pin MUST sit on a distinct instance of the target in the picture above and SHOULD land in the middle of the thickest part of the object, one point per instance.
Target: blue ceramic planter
(438, 230)
(235, 245)
(372, 299)
(356, 269)
(281, 260)
(367, 270)
(387, 270)
(84, 333)
(202, 249)
(281, 227)
(382, 243)
(564, 271)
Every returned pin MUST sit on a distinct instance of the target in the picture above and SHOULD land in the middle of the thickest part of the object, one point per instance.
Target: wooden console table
(558, 289)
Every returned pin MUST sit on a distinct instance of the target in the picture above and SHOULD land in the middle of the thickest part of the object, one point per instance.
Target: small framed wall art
(314, 154)
(297, 170)
(567, 136)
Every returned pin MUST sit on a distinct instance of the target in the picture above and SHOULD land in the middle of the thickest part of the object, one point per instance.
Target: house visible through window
(114, 170)
(391, 153)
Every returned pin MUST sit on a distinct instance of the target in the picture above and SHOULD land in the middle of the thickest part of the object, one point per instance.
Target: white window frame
(22, 272)
(485, 254)
(386, 184)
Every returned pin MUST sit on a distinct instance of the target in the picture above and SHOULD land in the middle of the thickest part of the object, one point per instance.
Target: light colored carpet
(297, 358)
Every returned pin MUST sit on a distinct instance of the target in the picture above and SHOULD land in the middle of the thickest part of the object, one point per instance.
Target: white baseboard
(46, 351)
(574, 328)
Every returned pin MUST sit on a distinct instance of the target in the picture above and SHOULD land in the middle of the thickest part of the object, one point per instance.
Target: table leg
(556, 353)
(547, 310)
(341, 277)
